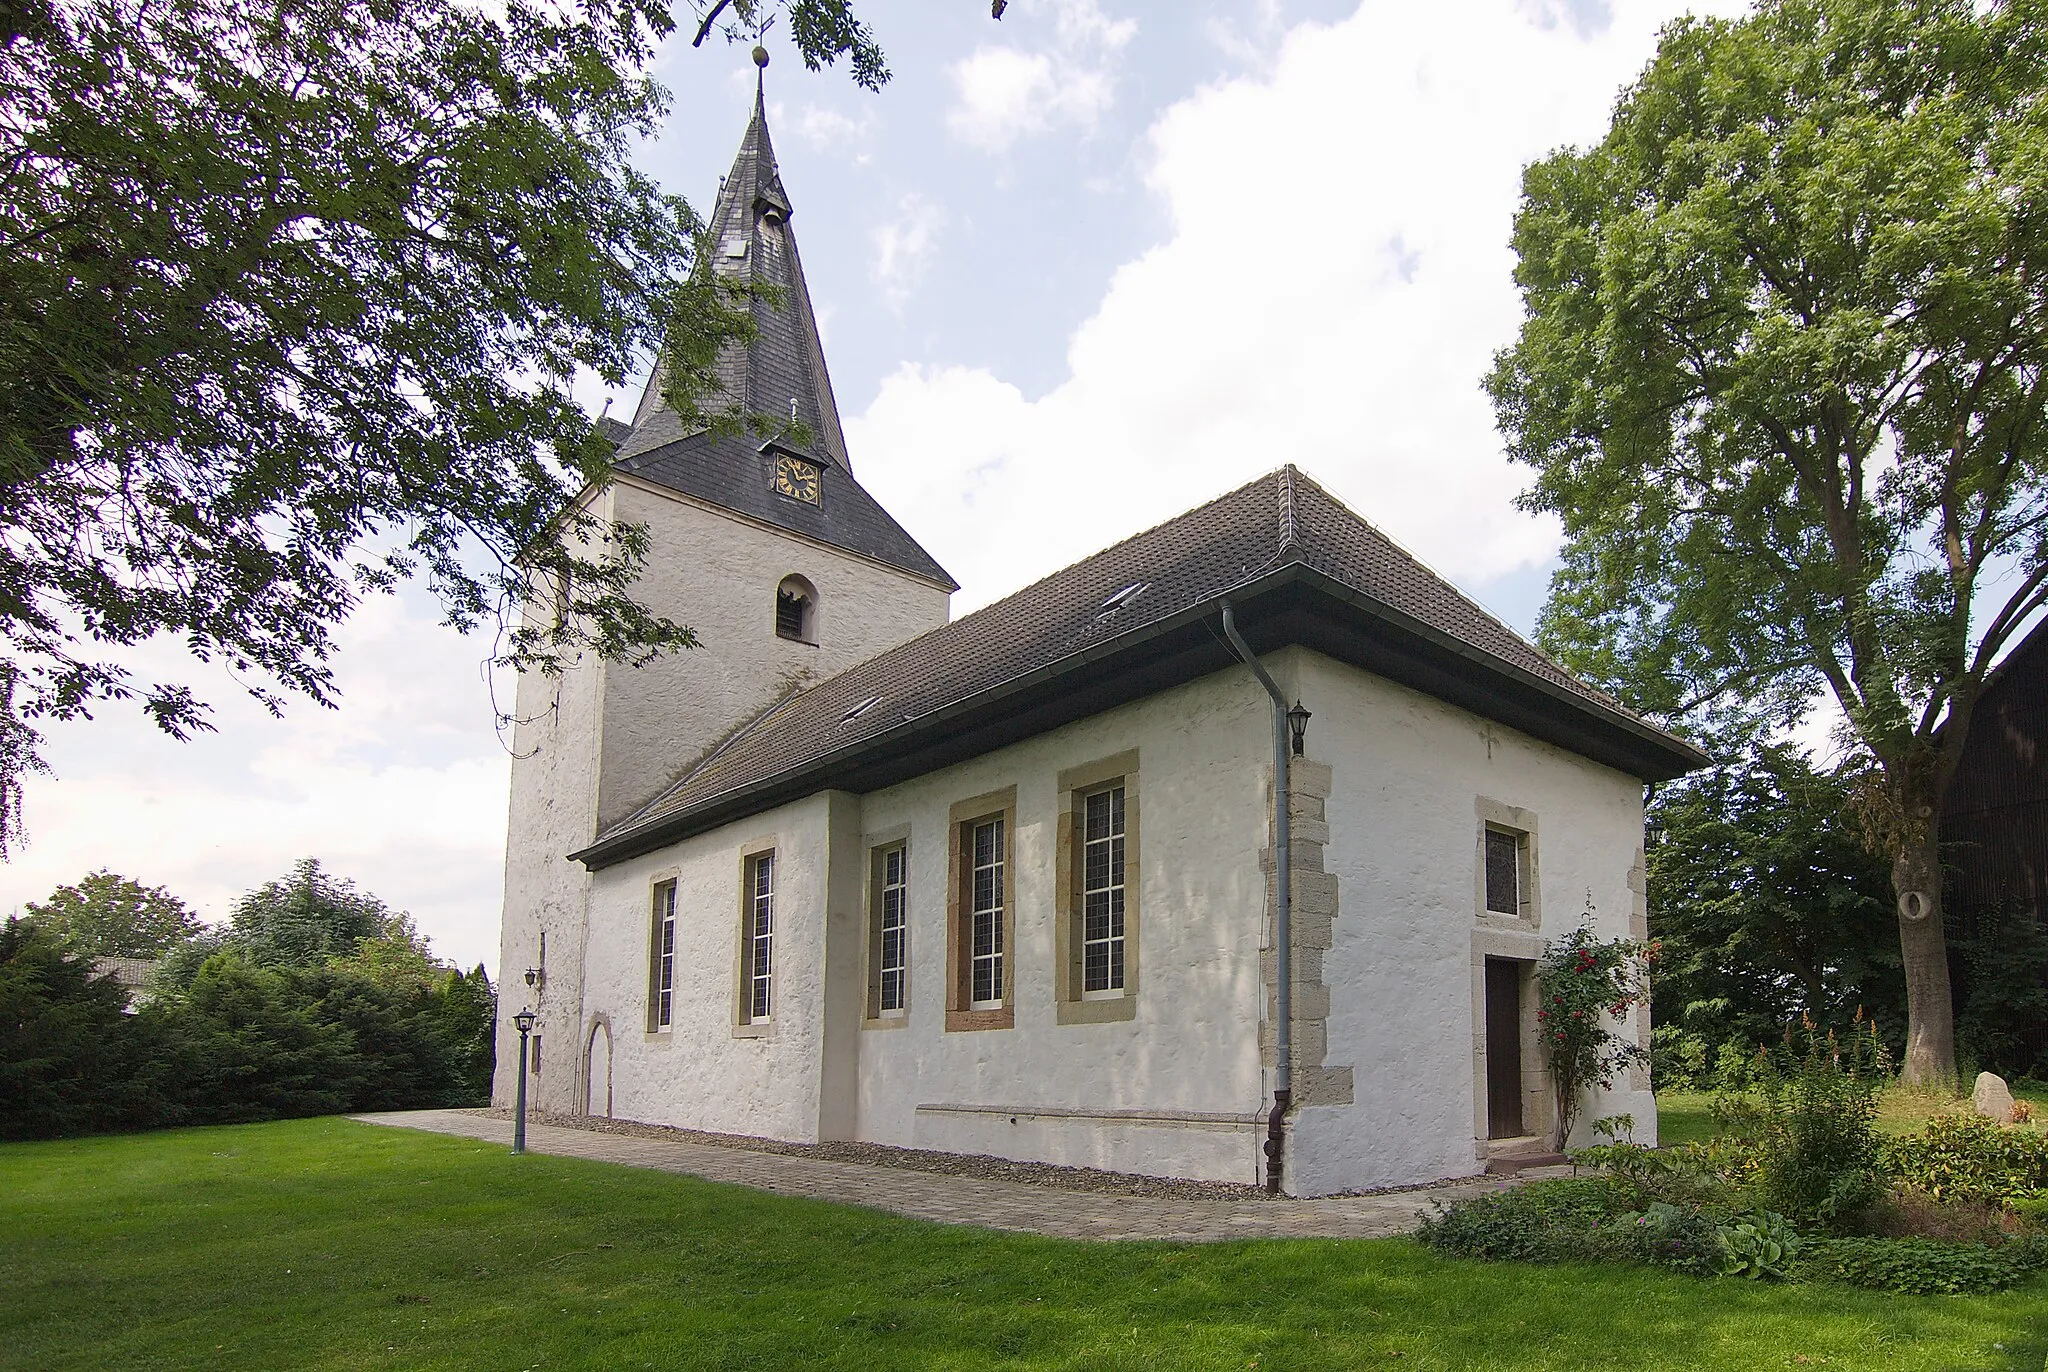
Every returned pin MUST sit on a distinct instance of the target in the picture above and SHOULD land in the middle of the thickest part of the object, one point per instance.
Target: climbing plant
(1588, 985)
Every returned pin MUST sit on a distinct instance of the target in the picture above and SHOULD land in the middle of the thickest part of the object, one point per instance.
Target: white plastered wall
(708, 1070)
(1409, 774)
(718, 573)
(1175, 1089)
(605, 737)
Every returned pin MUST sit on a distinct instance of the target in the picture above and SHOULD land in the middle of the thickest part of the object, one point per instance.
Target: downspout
(1283, 880)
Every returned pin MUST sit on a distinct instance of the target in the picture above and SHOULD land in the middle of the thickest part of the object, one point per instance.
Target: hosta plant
(1756, 1245)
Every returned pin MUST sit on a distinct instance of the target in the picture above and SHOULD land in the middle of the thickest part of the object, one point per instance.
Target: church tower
(782, 563)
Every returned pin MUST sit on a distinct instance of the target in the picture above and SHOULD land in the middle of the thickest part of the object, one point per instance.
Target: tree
(72, 1061)
(291, 293)
(1766, 904)
(105, 915)
(311, 917)
(1782, 376)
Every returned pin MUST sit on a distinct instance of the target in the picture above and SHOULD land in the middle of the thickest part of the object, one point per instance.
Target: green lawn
(1688, 1116)
(326, 1244)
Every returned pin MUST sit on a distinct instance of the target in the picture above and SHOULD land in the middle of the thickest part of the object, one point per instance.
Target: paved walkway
(967, 1200)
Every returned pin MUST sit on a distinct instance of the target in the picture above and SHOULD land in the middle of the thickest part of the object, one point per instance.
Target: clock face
(797, 479)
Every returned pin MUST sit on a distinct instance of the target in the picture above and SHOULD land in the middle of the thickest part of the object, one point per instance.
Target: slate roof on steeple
(1294, 563)
(782, 373)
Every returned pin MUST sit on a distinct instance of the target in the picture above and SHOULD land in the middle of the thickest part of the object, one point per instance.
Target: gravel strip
(976, 1165)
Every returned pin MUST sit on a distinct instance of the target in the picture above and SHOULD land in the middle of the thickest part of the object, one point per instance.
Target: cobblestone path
(993, 1204)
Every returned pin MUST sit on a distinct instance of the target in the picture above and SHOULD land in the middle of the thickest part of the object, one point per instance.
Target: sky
(1077, 271)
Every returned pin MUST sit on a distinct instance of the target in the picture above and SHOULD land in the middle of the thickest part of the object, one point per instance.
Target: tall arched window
(796, 610)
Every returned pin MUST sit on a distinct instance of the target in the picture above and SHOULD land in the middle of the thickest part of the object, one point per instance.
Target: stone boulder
(1992, 1097)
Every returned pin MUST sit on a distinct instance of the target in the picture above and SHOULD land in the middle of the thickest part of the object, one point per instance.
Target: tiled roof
(734, 473)
(781, 373)
(1071, 644)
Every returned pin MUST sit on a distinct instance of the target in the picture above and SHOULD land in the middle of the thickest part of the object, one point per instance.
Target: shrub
(1970, 1158)
(1812, 1122)
(1924, 1267)
(1527, 1224)
(1574, 1219)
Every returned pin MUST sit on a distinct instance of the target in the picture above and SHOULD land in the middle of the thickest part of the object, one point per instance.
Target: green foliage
(1970, 1158)
(320, 998)
(1781, 376)
(105, 915)
(1584, 982)
(1545, 1221)
(1766, 904)
(1924, 1267)
(311, 916)
(291, 293)
(1812, 1123)
(1759, 1244)
(72, 1061)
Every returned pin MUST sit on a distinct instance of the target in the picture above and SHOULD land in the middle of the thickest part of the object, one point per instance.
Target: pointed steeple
(783, 372)
(780, 375)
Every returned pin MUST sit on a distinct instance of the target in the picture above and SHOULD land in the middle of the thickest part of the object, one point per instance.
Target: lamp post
(524, 1019)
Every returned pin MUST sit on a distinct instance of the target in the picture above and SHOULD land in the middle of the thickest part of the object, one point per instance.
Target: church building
(1009, 883)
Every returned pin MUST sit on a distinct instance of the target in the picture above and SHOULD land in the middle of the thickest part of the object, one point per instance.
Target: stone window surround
(1497, 815)
(876, 845)
(959, 947)
(1075, 784)
(652, 1032)
(743, 1025)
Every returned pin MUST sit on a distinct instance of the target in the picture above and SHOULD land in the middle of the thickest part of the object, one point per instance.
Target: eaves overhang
(1290, 604)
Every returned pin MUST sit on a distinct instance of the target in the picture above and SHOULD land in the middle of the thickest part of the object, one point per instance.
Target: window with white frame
(889, 943)
(758, 954)
(1102, 893)
(985, 913)
(661, 959)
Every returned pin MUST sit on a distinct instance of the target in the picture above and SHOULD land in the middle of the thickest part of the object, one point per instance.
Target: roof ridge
(1289, 535)
(1121, 543)
(1467, 597)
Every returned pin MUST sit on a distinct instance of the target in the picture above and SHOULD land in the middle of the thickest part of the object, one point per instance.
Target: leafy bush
(1970, 1158)
(1760, 1244)
(1574, 1219)
(1675, 1236)
(1924, 1267)
(1811, 1123)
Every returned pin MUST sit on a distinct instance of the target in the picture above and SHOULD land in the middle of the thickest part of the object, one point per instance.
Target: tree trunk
(1930, 1009)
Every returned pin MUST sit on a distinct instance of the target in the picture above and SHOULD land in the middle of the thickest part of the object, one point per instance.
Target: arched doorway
(597, 1070)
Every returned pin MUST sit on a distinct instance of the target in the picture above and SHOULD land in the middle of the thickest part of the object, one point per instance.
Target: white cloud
(829, 130)
(904, 246)
(1336, 280)
(1006, 93)
(402, 789)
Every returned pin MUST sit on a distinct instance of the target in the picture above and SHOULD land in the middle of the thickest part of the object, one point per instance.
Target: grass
(326, 1244)
(1688, 1116)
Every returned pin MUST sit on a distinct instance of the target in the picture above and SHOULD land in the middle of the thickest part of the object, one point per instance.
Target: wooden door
(1503, 1049)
